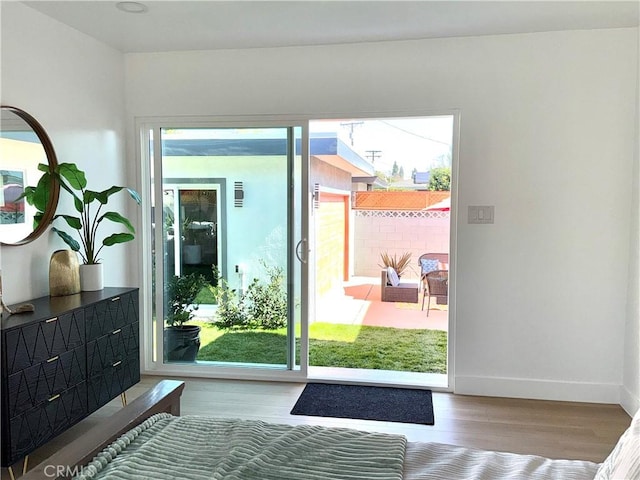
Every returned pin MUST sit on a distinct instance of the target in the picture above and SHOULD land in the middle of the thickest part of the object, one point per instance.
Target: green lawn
(333, 345)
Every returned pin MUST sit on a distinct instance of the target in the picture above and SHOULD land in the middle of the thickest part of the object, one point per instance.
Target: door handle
(299, 251)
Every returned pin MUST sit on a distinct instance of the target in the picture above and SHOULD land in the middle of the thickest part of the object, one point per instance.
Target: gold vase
(64, 273)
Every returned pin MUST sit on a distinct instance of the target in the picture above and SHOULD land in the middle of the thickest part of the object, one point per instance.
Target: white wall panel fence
(397, 232)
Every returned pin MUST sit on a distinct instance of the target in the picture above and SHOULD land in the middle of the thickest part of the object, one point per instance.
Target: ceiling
(207, 25)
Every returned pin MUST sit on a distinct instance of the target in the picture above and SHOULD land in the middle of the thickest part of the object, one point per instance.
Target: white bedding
(436, 461)
(422, 461)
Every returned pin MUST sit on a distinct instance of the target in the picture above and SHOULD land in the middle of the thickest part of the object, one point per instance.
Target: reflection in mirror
(23, 145)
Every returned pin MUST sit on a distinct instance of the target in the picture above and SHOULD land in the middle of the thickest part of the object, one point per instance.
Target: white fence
(396, 232)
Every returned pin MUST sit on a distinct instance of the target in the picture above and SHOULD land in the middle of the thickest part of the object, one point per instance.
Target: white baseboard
(538, 389)
(629, 401)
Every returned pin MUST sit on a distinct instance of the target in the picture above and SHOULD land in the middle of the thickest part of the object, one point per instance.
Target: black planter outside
(181, 344)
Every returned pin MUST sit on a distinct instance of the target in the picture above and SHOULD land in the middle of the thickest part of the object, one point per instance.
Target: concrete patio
(361, 304)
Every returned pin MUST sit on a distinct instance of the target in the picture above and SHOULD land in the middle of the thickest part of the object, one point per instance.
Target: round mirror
(24, 145)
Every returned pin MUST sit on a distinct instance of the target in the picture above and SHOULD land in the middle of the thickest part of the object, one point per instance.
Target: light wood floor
(551, 429)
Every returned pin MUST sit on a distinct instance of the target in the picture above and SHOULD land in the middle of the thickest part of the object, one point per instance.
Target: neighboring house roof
(325, 146)
(372, 180)
(421, 177)
(328, 148)
(398, 200)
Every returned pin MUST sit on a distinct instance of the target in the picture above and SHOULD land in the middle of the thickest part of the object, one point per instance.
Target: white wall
(73, 85)
(547, 136)
(630, 390)
(265, 186)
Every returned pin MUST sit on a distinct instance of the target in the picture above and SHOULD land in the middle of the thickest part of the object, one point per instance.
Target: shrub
(440, 179)
(262, 306)
(181, 298)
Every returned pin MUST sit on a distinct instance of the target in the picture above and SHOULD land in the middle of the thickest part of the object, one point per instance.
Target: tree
(443, 160)
(401, 172)
(383, 176)
(440, 179)
(394, 169)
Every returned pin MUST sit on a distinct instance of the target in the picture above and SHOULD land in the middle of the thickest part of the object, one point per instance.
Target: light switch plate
(480, 214)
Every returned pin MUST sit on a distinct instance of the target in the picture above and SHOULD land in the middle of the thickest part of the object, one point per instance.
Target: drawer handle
(54, 397)
(116, 331)
(51, 320)
(115, 299)
(117, 363)
(53, 359)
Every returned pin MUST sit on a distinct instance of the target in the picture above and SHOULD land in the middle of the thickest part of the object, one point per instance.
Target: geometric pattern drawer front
(38, 425)
(129, 374)
(36, 384)
(41, 341)
(109, 315)
(101, 389)
(111, 348)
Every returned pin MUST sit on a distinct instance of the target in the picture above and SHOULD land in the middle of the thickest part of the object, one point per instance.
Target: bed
(149, 439)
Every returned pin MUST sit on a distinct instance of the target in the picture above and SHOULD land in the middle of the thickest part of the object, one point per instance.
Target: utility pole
(373, 155)
(351, 126)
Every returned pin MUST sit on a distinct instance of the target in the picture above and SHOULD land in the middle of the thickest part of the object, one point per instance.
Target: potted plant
(399, 264)
(90, 206)
(182, 342)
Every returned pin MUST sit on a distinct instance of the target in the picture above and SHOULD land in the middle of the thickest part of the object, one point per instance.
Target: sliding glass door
(226, 277)
(262, 257)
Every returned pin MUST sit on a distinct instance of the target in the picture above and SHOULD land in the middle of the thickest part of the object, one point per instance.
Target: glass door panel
(230, 289)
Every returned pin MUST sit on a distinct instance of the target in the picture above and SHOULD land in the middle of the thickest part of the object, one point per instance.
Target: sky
(411, 142)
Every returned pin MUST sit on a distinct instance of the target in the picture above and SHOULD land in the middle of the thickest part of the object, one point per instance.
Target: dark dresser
(64, 361)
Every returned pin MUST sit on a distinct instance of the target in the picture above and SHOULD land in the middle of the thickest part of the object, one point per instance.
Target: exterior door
(227, 258)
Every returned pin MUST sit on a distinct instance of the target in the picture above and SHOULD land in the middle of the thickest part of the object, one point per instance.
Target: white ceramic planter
(91, 277)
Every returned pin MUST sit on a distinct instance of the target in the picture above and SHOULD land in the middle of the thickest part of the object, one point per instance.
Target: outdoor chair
(428, 262)
(404, 292)
(436, 284)
(441, 258)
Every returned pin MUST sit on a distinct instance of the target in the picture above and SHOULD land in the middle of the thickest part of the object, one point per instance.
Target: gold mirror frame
(53, 163)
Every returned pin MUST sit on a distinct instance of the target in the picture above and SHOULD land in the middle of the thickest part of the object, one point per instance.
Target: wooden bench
(405, 292)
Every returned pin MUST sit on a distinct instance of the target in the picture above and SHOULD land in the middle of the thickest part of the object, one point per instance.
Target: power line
(415, 134)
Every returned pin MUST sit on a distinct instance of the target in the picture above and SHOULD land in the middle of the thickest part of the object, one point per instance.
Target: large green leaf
(37, 218)
(73, 222)
(72, 174)
(43, 167)
(117, 238)
(103, 197)
(116, 217)
(78, 204)
(89, 196)
(67, 239)
(42, 192)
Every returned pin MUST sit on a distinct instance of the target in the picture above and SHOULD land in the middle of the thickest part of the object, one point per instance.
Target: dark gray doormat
(386, 404)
